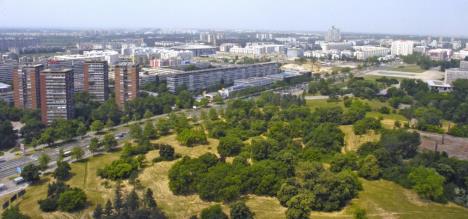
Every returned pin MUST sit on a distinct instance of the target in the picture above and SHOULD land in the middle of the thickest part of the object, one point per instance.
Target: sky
(421, 17)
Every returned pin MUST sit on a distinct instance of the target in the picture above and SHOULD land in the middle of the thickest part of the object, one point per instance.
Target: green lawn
(408, 68)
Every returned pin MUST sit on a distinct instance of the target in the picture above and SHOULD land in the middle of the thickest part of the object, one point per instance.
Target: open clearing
(408, 68)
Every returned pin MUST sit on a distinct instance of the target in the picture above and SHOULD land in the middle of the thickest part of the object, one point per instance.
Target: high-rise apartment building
(126, 82)
(333, 35)
(26, 85)
(402, 47)
(76, 64)
(96, 80)
(56, 94)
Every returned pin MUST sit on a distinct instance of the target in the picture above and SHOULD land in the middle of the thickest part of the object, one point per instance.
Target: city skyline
(362, 16)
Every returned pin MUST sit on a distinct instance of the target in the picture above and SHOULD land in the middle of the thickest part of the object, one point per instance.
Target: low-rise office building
(211, 77)
(365, 52)
(197, 49)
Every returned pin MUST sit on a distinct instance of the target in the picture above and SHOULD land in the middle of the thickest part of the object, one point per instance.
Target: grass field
(314, 104)
(384, 199)
(407, 68)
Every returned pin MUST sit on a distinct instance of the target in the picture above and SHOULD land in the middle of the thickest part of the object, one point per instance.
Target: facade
(453, 74)
(6, 72)
(6, 93)
(295, 52)
(225, 47)
(365, 52)
(56, 94)
(26, 83)
(333, 35)
(257, 49)
(439, 54)
(197, 49)
(212, 77)
(70, 62)
(96, 80)
(402, 47)
(126, 82)
(439, 86)
(464, 65)
(326, 46)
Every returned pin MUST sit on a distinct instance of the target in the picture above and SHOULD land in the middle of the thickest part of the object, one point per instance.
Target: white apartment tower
(402, 47)
(333, 35)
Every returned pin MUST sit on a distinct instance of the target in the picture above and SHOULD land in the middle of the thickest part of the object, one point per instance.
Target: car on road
(67, 153)
(18, 180)
(2, 187)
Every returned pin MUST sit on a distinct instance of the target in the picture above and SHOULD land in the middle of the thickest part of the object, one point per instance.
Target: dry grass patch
(353, 141)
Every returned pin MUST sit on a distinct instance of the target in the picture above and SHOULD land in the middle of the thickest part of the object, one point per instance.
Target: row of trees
(129, 205)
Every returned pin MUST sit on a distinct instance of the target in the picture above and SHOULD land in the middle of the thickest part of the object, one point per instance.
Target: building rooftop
(193, 46)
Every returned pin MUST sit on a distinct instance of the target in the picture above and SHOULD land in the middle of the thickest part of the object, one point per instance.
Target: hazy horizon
(418, 17)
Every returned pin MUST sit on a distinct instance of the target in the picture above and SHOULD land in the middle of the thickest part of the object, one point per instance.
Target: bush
(191, 137)
(48, 205)
(213, 212)
(118, 169)
(72, 200)
(166, 152)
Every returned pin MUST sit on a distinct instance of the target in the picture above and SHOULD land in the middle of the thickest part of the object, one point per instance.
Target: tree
(148, 199)
(400, 142)
(118, 202)
(135, 131)
(163, 126)
(132, 201)
(94, 145)
(184, 100)
(108, 208)
(218, 99)
(77, 152)
(203, 102)
(109, 142)
(360, 214)
(13, 213)
(7, 135)
(326, 136)
(149, 131)
(62, 172)
(97, 213)
(296, 213)
(213, 212)
(240, 211)
(427, 182)
(44, 160)
(96, 125)
(369, 167)
(72, 200)
(30, 173)
(166, 152)
(229, 146)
